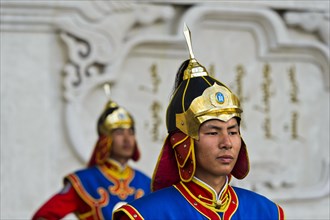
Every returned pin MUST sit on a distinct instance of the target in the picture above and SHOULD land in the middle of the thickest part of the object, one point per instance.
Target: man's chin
(127, 155)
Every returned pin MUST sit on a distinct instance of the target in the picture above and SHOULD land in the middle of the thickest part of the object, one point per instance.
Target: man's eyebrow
(233, 126)
(221, 128)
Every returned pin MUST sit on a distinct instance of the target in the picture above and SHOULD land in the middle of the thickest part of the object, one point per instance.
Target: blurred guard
(108, 182)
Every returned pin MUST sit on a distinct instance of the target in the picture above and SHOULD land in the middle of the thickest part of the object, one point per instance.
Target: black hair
(179, 75)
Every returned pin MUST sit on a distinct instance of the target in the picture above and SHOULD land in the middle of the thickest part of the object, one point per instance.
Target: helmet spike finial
(107, 90)
(194, 69)
(187, 35)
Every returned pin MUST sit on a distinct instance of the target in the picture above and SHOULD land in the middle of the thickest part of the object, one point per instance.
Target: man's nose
(225, 142)
(127, 135)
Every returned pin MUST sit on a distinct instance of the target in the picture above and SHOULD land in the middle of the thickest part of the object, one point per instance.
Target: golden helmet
(112, 117)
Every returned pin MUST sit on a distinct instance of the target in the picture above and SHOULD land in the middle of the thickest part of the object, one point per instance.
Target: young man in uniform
(202, 152)
(108, 182)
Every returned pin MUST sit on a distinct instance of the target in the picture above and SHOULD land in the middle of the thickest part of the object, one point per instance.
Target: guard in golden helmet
(202, 152)
(108, 182)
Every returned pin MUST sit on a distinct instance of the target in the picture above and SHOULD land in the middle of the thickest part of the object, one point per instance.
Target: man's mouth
(225, 158)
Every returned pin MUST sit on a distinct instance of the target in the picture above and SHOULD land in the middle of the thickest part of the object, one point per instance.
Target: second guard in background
(95, 192)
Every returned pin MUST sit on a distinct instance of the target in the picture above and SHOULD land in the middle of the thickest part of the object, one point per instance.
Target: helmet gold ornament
(198, 97)
(112, 117)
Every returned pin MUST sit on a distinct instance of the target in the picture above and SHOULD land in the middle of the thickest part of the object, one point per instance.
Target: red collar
(202, 198)
(206, 194)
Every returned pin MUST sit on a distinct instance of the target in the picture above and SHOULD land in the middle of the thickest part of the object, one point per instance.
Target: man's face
(123, 144)
(217, 148)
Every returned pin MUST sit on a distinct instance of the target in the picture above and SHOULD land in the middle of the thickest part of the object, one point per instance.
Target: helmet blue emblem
(220, 97)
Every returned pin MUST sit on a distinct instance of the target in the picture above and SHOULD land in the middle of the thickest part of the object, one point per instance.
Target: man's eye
(233, 133)
(118, 131)
(212, 133)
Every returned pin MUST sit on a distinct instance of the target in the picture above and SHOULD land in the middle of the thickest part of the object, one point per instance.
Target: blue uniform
(103, 187)
(195, 200)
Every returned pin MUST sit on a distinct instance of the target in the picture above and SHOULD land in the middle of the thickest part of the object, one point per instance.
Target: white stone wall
(56, 55)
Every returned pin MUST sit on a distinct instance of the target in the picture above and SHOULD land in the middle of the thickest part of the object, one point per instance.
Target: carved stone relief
(281, 78)
(312, 22)
(282, 83)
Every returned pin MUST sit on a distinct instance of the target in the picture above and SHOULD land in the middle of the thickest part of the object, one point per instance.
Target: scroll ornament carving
(311, 22)
(95, 48)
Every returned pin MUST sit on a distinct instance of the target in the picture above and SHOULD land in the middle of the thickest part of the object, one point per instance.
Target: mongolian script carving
(239, 76)
(267, 81)
(156, 105)
(156, 120)
(294, 86)
(294, 100)
(294, 126)
(240, 72)
(155, 79)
